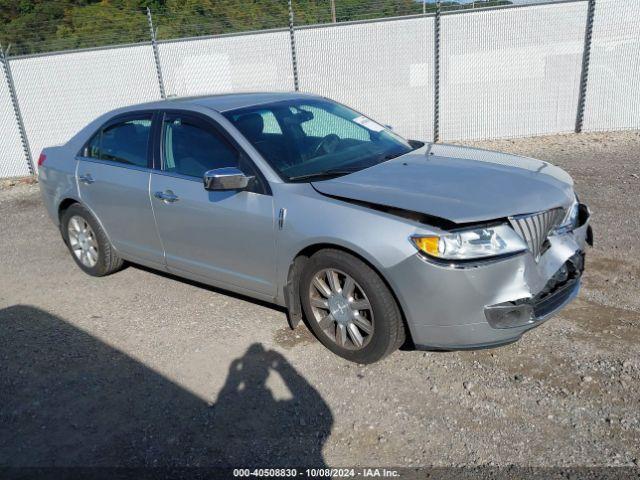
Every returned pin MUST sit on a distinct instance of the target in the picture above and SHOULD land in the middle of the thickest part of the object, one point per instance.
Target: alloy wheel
(82, 240)
(341, 308)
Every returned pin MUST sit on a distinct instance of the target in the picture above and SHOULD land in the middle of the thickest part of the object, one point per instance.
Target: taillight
(41, 159)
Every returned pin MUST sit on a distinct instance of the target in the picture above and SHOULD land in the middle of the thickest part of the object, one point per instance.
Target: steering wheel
(278, 153)
(328, 144)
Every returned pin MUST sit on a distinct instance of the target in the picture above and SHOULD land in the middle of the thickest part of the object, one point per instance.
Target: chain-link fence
(511, 72)
(235, 63)
(613, 92)
(382, 68)
(431, 73)
(13, 161)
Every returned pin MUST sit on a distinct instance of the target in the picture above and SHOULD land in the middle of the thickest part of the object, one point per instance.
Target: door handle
(167, 197)
(87, 179)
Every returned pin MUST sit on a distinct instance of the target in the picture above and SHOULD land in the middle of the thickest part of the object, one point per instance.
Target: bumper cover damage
(559, 290)
(449, 308)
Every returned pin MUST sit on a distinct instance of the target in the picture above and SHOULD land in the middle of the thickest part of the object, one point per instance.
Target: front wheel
(349, 308)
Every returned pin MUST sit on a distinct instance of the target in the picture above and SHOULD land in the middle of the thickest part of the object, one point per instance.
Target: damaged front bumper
(490, 303)
(559, 291)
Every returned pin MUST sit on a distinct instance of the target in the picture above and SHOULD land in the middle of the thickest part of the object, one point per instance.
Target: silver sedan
(373, 240)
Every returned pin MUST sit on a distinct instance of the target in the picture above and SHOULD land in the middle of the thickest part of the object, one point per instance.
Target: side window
(324, 123)
(191, 147)
(125, 142)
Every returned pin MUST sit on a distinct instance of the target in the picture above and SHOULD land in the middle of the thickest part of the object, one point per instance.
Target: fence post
(292, 35)
(586, 56)
(156, 54)
(436, 75)
(4, 58)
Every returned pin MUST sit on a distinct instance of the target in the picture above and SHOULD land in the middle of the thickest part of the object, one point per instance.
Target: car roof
(222, 102)
(233, 101)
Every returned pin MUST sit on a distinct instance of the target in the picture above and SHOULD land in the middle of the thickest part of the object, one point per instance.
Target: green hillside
(34, 26)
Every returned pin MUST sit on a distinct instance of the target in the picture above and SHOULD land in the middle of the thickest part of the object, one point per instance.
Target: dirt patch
(12, 182)
(605, 323)
(28, 202)
(287, 338)
(612, 271)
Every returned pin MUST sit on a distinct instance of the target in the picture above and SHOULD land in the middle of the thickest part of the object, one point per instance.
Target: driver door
(220, 237)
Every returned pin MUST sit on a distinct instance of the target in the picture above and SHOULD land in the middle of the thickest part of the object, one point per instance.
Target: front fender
(315, 221)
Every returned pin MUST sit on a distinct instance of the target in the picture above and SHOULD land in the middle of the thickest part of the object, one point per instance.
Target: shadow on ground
(67, 398)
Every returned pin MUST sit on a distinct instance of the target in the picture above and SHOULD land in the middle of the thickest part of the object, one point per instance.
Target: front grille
(535, 228)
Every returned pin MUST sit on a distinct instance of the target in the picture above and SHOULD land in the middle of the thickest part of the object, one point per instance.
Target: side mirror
(227, 178)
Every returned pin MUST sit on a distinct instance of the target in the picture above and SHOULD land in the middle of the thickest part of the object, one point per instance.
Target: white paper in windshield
(368, 123)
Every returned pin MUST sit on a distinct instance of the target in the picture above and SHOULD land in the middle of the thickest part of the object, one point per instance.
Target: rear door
(224, 237)
(113, 178)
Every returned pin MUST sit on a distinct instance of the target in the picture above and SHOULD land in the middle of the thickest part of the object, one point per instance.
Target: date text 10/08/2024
(316, 472)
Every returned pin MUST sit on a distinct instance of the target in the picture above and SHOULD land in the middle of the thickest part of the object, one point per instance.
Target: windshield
(306, 139)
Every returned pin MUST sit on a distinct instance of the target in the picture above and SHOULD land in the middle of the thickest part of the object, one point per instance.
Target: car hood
(459, 184)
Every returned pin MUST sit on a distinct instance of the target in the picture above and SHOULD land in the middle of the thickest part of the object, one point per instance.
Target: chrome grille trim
(535, 228)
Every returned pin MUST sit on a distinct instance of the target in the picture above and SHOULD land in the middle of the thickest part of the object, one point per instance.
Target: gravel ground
(143, 369)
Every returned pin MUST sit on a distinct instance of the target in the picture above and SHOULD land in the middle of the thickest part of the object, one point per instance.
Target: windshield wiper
(323, 174)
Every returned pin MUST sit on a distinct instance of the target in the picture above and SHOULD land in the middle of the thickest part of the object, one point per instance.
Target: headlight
(570, 220)
(471, 244)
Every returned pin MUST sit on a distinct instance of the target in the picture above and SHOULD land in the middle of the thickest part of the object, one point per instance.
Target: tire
(102, 259)
(384, 332)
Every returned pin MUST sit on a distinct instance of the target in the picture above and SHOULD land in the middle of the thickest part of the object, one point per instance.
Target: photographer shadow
(292, 431)
(69, 399)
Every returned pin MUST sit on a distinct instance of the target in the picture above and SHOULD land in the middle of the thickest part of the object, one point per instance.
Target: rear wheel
(349, 308)
(88, 243)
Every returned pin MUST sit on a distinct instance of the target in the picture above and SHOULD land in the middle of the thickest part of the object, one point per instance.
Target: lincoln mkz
(373, 240)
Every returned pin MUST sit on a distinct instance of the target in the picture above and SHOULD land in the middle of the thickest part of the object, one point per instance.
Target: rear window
(123, 142)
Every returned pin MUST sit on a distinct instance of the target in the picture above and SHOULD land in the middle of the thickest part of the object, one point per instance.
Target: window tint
(191, 148)
(125, 142)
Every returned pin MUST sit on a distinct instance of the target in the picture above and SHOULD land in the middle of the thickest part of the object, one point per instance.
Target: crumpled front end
(492, 302)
